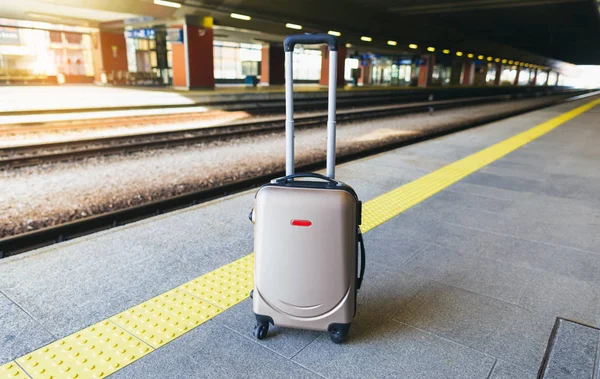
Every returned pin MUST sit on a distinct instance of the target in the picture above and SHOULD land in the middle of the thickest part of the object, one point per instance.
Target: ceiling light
(446, 51)
(334, 33)
(497, 60)
(504, 61)
(413, 46)
(293, 26)
(366, 39)
(165, 3)
(348, 45)
(510, 62)
(489, 58)
(480, 57)
(392, 43)
(470, 55)
(431, 49)
(240, 16)
(459, 54)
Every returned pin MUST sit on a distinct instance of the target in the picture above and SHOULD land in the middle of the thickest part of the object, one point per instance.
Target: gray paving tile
(392, 244)
(404, 158)
(528, 172)
(48, 269)
(507, 182)
(502, 330)
(570, 262)
(574, 352)
(361, 176)
(474, 201)
(487, 277)
(487, 191)
(416, 224)
(385, 289)
(19, 333)
(496, 222)
(557, 210)
(74, 307)
(213, 351)
(380, 168)
(153, 276)
(504, 370)
(561, 296)
(285, 341)
(386, 349)
(366, 191)
(585, 237)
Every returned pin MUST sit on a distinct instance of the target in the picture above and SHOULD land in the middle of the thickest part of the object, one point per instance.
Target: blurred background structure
(203, 44)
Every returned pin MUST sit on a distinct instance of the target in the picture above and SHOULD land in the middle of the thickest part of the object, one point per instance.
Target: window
(349, 65)
(307, 64)
(234, 60)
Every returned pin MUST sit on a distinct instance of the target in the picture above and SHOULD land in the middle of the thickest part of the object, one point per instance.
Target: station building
(192, 52)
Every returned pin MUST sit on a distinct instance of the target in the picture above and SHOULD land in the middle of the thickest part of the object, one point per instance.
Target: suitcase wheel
(261, 330)
(338, 332)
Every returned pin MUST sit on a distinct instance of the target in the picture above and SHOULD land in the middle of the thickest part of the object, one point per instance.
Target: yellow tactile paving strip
(103, 348)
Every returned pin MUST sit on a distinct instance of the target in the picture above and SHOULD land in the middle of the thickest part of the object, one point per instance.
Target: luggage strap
(362, 260)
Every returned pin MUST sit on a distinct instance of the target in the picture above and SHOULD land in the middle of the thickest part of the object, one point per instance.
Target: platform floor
(465, 283)
(75, 97)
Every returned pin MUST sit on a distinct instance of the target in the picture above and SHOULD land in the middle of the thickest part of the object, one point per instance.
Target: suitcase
(307, 234)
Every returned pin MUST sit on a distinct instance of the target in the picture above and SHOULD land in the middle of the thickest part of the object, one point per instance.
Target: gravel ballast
(40, 196)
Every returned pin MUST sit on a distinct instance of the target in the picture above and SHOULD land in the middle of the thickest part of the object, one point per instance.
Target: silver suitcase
(306, 233)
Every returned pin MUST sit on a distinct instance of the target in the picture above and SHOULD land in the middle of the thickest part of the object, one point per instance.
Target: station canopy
(545, 32)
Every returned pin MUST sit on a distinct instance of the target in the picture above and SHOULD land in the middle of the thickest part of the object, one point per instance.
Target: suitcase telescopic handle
(289, 43)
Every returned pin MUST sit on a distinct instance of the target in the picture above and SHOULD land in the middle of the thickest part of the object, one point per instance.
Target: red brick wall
(200, 54)
(113, 59)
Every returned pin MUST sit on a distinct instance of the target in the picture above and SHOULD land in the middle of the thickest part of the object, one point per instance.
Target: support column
(534, 80)
(341, 61)
(557, 77)
(498, 74)
(193, 65)
(516, 83)
(547, 79)
(479, 77)
(456, 72)
(426, 70)
(110, 56)
(272, 69)
(468, 73)
(365, 73)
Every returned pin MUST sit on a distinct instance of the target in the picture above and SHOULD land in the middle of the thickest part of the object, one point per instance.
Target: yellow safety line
(108, 346)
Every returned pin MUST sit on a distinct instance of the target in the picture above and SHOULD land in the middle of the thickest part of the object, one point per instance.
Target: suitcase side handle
(363, 257)
(289, 44)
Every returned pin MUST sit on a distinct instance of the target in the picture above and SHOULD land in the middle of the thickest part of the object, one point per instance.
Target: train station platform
(475, 241)
(57, 99)
(40, 100)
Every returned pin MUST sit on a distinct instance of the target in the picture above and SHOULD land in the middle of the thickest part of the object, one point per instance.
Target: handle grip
(290, 178)
(310, 39)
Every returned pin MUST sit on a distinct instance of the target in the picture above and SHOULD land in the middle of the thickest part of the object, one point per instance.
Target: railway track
(27, 241)
(30, 155)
